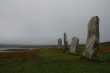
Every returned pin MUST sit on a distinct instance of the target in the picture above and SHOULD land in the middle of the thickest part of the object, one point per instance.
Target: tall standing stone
(65, 42)
(92, 44)
(74, 45)
(59, 43)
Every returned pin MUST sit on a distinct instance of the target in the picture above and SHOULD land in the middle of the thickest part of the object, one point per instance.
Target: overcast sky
(44, 21)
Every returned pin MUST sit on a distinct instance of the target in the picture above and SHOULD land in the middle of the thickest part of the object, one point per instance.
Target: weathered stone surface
(59, 43)
(92, 44)
(65, 42)
(74, 45)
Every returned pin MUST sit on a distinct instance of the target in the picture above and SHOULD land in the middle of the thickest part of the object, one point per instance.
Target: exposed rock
(92, 44)
(65, 42)
(74, 45)
(60, 43)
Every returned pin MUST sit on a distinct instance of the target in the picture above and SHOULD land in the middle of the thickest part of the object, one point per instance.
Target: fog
(44, 21)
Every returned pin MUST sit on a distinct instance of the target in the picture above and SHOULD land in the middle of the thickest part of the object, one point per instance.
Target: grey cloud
(44, 21)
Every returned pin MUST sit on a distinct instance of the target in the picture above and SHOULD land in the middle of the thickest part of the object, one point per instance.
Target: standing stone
(59, 43)
(92, 44)
(65, 42)
(74, 45)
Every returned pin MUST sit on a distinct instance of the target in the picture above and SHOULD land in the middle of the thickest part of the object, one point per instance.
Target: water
(3, 49)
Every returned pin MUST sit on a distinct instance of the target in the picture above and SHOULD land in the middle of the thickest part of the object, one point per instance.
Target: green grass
(53, 61)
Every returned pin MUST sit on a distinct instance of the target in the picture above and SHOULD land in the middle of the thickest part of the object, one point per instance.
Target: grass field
(53, 61)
